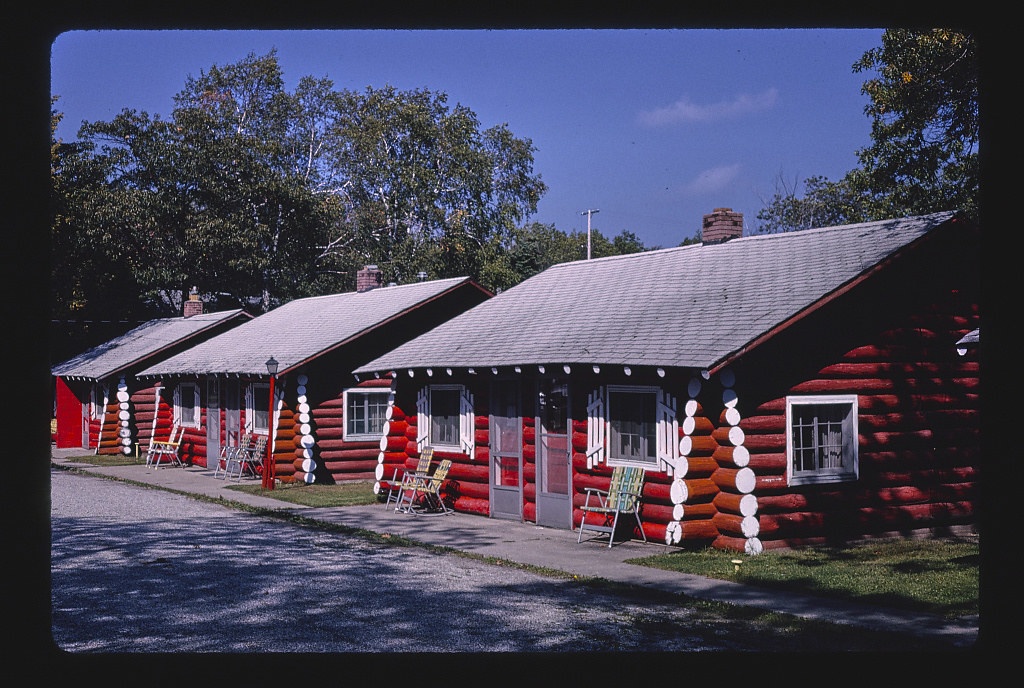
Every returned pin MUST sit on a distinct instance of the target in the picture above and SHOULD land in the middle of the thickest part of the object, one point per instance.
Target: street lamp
(268, 461)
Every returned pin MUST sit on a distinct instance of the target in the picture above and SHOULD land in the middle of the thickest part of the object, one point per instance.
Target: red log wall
(919, 441)
(341, 460)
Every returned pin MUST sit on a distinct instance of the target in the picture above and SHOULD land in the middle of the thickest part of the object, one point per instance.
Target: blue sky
(653, 128)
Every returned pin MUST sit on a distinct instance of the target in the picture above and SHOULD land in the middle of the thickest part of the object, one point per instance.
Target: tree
(424, 188)
(924, 130)
(210, 198)
(823, 204)
(255, 195)
(924, 152)
(536, 247)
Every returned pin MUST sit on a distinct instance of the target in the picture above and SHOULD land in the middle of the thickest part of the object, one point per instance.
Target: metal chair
(398, 487)
(429, 489)
(622, 497)
(228, 454)
(159, 450)
(394, 489)
(250, 459)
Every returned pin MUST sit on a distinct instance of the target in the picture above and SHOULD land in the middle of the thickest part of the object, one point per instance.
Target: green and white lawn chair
(621, 498)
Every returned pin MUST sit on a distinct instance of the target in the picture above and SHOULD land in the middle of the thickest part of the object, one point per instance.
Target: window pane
(356, 414)
(820, 441)
(366, 412)
(444, 416)
(261, 404)
(376, 412)
(633, 424)
(187, 409)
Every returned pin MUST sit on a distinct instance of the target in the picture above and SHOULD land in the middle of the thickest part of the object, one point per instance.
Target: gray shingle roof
(681, 307)
(139, 344)
(299, 330)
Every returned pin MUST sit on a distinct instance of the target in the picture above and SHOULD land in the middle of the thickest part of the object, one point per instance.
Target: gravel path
(138, 570)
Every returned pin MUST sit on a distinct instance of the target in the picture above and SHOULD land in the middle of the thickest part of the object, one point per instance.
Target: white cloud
(684, 111)
(713, 179)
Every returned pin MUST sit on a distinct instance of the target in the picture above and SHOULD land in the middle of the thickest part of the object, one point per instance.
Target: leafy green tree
(537, 246)
(627, 242)
(93, 264)
(255, 195)
(924, 130)
(209, 198)
(823, 204)
(424, 187)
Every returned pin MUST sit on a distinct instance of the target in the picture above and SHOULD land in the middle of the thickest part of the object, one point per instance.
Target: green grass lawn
(345, 494)
(927, 575)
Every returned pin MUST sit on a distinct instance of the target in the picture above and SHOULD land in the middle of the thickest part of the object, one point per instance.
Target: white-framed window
(365, 413)
(821, 444)
(257, 408)
(445, 418)
(632, 425)
(186, 405)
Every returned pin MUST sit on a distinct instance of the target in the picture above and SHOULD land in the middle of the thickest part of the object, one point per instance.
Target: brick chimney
(721, 225)
(370, 277)
(194, 306)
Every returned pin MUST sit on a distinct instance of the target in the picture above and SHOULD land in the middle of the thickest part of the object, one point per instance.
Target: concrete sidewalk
(551, 548)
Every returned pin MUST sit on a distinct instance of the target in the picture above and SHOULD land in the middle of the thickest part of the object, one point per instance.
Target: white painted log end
(678, 491)
(677, 512)
(673, 532)
(736, 436)
(688, 426)
(745, 480)
(729, 398)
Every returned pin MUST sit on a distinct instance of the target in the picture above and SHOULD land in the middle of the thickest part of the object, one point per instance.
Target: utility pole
(588, 213)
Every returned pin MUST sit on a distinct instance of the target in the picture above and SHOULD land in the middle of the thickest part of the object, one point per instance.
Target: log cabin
(325, 427)
(779, 390)
(99, 402)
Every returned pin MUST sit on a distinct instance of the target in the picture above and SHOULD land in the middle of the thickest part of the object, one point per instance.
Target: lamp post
(268, 461)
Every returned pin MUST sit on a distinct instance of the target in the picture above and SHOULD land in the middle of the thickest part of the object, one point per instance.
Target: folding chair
(621, 497)
(397, 489)
(167, 449)
(157, 446)
(250, 459)
(228, 454)
(430, 489)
